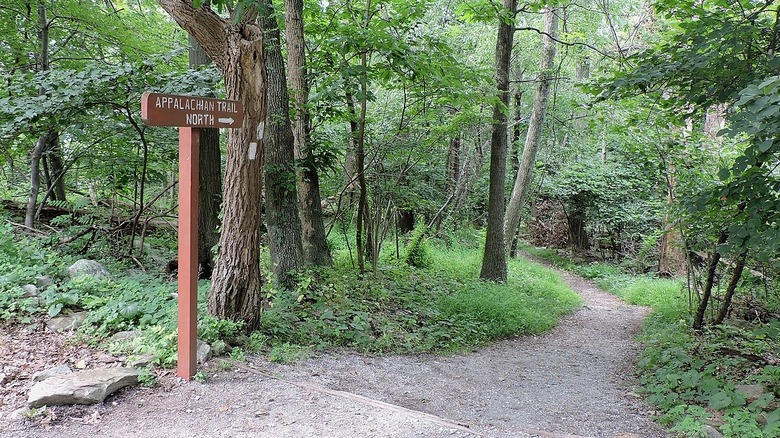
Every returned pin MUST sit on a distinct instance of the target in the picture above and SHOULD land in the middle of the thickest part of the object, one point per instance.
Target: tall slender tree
(534, 136)
(314, 240)
(281, 194)
(494, 260)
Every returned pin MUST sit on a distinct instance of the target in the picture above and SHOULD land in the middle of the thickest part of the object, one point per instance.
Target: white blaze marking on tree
(260, 130)
(252, 150)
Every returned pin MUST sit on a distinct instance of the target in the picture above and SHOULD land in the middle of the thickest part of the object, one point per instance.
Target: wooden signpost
(189, 113)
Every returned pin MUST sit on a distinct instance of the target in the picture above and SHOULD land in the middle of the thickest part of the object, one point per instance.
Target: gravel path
(572, 381)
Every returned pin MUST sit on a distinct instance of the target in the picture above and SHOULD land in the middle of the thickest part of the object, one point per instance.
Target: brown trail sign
(189, 113)
(201, 112)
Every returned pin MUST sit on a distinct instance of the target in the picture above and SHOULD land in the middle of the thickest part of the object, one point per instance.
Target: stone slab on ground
(83, 387)
(66, 322)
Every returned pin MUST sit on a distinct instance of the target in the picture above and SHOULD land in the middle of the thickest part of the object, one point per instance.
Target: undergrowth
(698, 381)
(438, 306)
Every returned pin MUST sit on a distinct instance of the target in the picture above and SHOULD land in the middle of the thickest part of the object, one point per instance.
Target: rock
(711, 432)
(60, 370)
(219, 347)
(88, 267)
(84, 387)
(30, 291)
(751, 392)
(2, 378)
(125, 336)
(66, 322)
(141, 361)
(203, 353)
(43, 281)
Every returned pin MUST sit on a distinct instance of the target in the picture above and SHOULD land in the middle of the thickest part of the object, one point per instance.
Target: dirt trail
(573, 380)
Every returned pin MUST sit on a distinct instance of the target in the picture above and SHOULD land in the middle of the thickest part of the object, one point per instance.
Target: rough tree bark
(237, 50)
(57, 170)
(736, 275)
(209, 180)
(534, 135)
(281, 194)
(314, 238)
(712, 267)
(45, 141)
(494, 260)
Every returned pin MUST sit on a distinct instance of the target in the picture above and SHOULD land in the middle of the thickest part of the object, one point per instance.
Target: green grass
(532, 300)
(402, 309)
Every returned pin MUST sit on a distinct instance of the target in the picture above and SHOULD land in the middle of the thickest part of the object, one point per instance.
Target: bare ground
(572, 381)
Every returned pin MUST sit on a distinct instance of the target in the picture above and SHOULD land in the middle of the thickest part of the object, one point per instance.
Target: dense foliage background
(657, 154)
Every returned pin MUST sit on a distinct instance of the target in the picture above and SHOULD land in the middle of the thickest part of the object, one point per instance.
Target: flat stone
(59, 370)
(125, 336)
(66, 322)
(203, 353)
(30, 291)
(141, 361)
(751, 392)
(83, 387)
(88, 267)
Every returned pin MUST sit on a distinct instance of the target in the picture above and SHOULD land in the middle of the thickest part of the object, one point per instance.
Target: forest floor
(573, 381)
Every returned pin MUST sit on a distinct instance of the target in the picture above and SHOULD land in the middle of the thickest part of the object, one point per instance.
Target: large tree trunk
(534, 135)
(281, 195)
(237, 49)
(209, 180)
(494, 260)
(314, 238)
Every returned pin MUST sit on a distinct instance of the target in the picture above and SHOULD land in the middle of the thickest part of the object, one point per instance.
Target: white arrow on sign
(228, 120)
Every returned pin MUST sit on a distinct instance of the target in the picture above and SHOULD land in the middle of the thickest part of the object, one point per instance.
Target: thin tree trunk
(494, 266)
(314, 238)
(35, 177)
(209, 180)
(281, 194)
(534, 135)
(237, 49)
(360, 154)
(732, 287)
(45, 139)
(57, 169)
(698, 321)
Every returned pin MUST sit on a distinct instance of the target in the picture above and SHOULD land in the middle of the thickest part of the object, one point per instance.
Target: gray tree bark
(315, 243)
(534, 135)
(209, 180)
(237, 50)
(494, 260)
(281, 194)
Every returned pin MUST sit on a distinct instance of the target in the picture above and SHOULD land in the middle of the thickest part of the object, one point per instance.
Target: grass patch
(402, 309)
